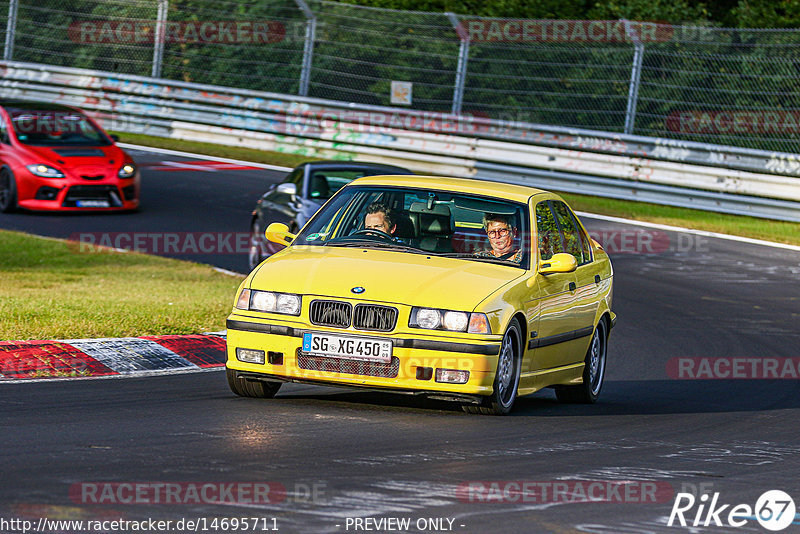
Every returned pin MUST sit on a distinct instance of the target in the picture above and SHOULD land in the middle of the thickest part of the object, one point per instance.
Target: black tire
(251, 388)
(254, 256)
(8, 192)
(594, 370)
(506, 380)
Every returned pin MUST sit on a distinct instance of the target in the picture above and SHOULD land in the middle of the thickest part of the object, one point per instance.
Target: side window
(3, 131)
(547, 231)
(320, 187)
(324, 184)
(573, 240)
(295, 177)
(586, 244)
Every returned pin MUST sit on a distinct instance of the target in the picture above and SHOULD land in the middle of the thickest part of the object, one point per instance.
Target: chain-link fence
(715, 85)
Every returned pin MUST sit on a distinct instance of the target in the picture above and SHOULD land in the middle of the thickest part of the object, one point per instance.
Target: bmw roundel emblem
(358, 290)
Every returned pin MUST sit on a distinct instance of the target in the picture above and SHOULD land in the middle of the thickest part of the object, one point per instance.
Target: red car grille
(348, 367)
(76, 193)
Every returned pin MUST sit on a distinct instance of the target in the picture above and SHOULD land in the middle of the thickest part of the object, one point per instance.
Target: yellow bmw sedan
(464, 290)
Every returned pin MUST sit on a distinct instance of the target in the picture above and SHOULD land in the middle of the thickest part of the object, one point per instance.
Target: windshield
(55, 128)
(423, 221)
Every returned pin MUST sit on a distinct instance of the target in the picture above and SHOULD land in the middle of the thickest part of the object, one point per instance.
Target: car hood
(73, 156)
(392, 277)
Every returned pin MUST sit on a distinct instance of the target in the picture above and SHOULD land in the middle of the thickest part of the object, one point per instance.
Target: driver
(379, 217)
(501, 233)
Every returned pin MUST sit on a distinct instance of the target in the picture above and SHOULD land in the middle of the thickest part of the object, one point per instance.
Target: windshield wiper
(471, 256)
(375, 244)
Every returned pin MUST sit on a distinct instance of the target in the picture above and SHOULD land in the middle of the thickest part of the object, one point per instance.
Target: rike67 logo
(774, 510)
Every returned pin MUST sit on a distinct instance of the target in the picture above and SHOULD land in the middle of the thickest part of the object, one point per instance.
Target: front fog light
(427, 318)
(455, 321)
(452, 376)
(250, 355)
(289, 304)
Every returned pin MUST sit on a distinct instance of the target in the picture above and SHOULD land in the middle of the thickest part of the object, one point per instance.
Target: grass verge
(49, 289)
(783, 232)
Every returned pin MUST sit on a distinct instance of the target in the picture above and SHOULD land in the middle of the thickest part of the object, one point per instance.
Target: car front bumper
(415, 358)
(70, 194)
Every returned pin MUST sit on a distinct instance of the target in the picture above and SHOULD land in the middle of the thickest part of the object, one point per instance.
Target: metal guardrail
(716, 178)
(642, 192)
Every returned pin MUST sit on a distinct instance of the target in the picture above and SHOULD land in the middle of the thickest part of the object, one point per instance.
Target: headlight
(427, 318)
(289, 304)
(263, 301)
(454, 321)
(457, 321)
(269, 301)
(45, 171)
(127, 171)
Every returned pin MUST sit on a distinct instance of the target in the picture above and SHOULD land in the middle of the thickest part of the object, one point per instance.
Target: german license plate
(353, 348)
(92, 203)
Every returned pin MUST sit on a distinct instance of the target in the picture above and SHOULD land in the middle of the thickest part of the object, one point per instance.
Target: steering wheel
(374, 232)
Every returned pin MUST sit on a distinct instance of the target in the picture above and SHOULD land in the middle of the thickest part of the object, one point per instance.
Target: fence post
(308, 48)
(11, 29)
(461, 69)
(636, 74)
(158, 49)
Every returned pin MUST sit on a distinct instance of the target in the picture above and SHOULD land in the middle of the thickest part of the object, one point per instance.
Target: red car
(54, 157)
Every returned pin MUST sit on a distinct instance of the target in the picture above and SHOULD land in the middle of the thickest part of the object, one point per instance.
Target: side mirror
(279, 233)
(115, 138)
(287, 188)
(559, 263)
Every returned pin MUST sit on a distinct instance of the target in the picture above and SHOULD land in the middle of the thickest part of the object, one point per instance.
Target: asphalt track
(193, 199)
(343, 454)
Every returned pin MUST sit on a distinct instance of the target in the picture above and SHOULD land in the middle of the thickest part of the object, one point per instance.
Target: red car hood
(81, 155)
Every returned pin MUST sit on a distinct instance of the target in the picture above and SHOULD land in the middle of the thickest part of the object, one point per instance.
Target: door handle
(597, 279)
(572, 286)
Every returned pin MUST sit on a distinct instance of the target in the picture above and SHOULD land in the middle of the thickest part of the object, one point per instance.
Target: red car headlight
(45, 171)
(127, 171)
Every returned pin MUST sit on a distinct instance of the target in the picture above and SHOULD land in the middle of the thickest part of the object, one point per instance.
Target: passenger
(501, 235)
